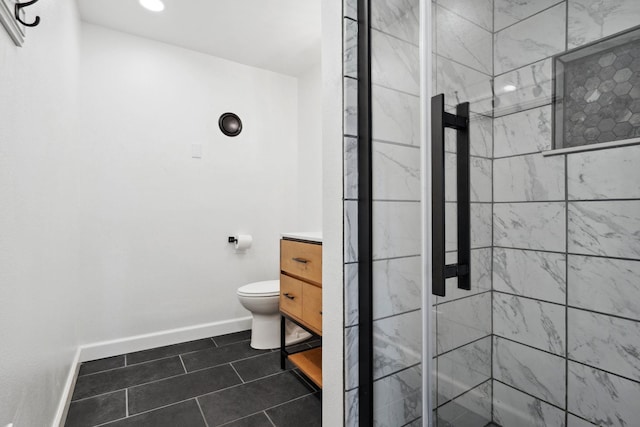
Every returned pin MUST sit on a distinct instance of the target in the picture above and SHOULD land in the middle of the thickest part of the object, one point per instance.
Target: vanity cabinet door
(301, 260)
(312, 306)
(291, 295)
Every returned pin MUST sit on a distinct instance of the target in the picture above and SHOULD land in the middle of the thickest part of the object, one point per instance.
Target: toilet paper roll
(243, 242)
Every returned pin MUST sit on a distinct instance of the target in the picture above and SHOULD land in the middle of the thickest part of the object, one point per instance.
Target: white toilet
(261, 299)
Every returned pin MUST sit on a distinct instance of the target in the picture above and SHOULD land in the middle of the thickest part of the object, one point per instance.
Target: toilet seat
(267, 288)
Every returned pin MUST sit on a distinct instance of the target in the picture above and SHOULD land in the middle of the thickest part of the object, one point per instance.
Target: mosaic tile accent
(601, 94)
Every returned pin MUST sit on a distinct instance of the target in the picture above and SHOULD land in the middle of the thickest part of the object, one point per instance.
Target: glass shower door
(462, 158)
(548, 333)
(534, 318)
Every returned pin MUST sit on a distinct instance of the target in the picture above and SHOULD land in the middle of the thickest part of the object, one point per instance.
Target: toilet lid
(261, 289)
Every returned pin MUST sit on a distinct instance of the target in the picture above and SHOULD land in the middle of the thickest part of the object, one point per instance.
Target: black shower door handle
(440, 120)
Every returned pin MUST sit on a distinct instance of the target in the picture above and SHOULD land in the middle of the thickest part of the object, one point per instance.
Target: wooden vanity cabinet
(301, 301)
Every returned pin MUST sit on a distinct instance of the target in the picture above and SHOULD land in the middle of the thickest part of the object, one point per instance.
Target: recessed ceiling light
(509, 88)
(152, 5)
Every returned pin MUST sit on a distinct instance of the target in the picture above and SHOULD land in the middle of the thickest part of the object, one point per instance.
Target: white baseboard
(116, 347)
(103, 349)
(69, 385)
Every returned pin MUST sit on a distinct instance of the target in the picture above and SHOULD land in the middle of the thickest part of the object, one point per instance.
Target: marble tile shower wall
(463, 33)
(397, 327)
(565, 265)
(566, 256)
(350, 195)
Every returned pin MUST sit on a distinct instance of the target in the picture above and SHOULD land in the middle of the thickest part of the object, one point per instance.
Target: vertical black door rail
(440, 120)
(365, 207)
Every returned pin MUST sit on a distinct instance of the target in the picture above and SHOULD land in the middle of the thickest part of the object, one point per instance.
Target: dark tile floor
(210, 382)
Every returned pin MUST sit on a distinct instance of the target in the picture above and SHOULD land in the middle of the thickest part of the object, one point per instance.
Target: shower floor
(210, 382)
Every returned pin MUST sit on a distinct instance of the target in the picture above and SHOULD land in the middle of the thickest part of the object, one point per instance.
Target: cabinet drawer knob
(300, 260)
(288, 295)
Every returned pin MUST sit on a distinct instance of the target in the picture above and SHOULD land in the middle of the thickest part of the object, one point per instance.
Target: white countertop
(312, 236)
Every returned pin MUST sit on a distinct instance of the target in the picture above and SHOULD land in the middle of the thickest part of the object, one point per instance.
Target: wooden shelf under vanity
(301, 301)
(309, 362)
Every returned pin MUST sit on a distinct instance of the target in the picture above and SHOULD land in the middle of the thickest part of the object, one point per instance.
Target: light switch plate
(196, 151)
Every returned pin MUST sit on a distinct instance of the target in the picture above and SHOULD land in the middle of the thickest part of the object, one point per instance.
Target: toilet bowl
(261, 299)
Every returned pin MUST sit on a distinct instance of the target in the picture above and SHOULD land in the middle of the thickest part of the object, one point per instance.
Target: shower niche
(597, 92)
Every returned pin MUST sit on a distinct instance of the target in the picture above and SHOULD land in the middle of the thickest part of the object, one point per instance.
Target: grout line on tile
(520, 68)
(393, 36)
(411, 422)
(526, 153)
(567, 253)
(561, 304)
(389, 88)
(125, 360)
(580, 417)
(561, 356)
(126, 401)
(106, 424)
(290, 401)
(396, 200)
(159, 358)
(128, 366)
(588, 310)
(98, 395)
(528, 108)
(182, 362)
(528, 394)
(530, 16)
(571, 201)
(396, 372)
(396, 315)
(475, 156)
(484, 291)
(463, 393)
(102, 370)
(236, 371)
(463, 345)
(390, 258)
(398, 144)
(264, 410)
(241, 384)
(484, 73)
(635, 381)
(202, 413)
(228, 362)
(144, 412)
(248, 339)
(463, 17)
(269, 418)
(168, 378)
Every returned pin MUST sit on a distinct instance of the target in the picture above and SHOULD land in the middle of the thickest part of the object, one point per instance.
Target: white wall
(39, 227)
(310, 149)
(332, 217)
(108, 227)
(155, 220)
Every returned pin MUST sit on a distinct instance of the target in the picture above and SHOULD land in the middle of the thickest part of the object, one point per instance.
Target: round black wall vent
(230, 124)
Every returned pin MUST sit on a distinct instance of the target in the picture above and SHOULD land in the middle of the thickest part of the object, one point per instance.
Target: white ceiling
(277, 35)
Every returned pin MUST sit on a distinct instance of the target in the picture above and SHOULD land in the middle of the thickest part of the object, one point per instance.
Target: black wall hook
(19, 7)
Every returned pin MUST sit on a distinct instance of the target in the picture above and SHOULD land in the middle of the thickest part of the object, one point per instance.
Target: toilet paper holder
(242, 242)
